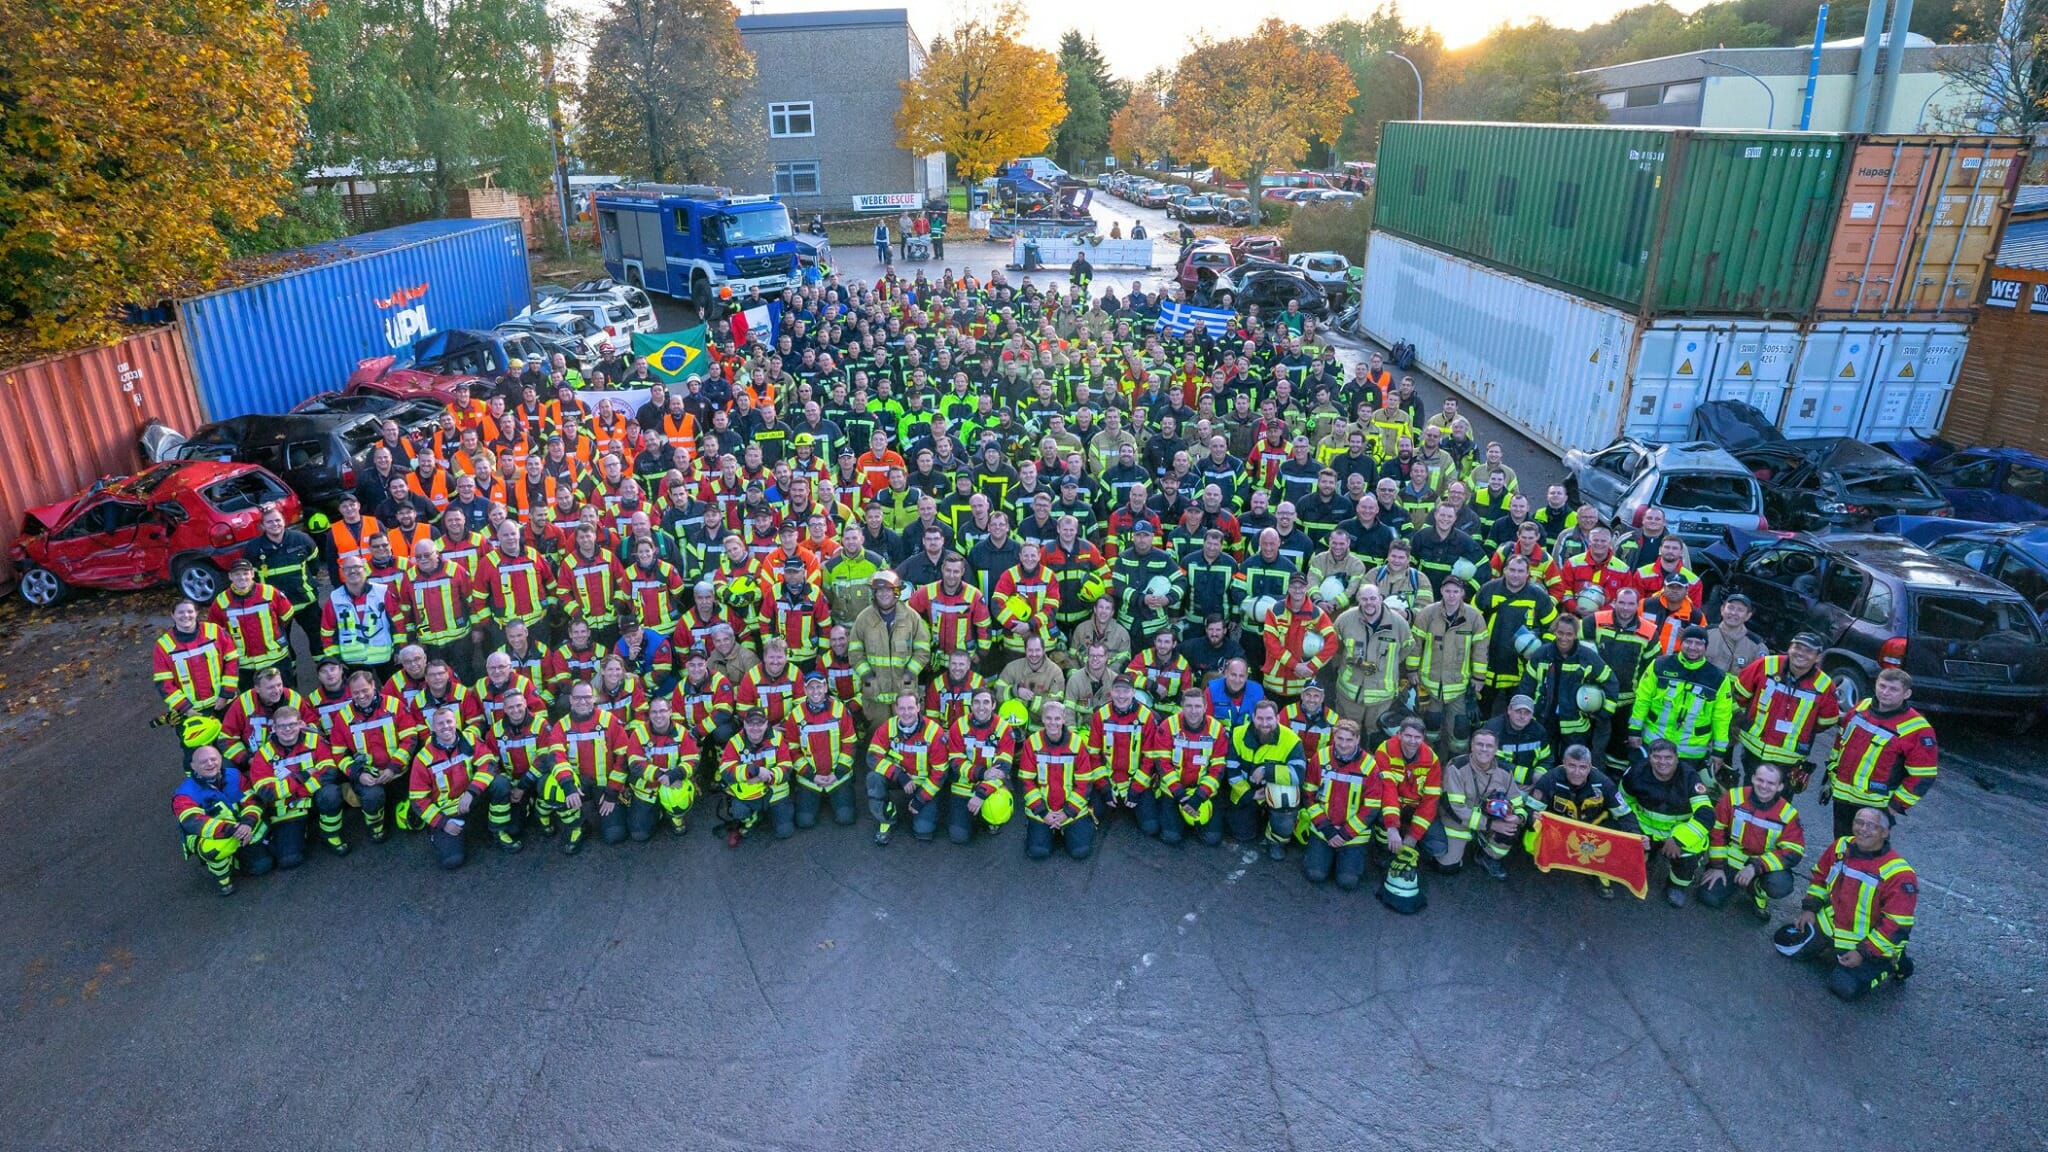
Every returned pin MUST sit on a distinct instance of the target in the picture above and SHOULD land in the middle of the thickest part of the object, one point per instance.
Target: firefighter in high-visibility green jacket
(1685, 699)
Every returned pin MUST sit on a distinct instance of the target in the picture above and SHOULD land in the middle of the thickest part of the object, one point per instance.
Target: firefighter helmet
(1590, 698)
(1527, 642)
(997, 807)
(1159, 586)
(1311, 645)
(1464, 569)
(1012, 610)
(1402, 890)
(1791, 939)
(318, 522)
(1331, 590)
(1592, 598)
(199, 731)
(1690, 836)
(748, 790)
(1014, 713)
(1094, 588)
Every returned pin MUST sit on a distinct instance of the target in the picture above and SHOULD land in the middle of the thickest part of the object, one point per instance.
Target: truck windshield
(763, 225)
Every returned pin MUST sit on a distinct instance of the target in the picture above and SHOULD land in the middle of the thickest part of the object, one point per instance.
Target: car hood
(1733, 425)
(51, 515)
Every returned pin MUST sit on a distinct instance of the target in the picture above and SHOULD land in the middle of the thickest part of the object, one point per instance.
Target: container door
(1837, 365)
(1964, 210)
(1873, 234)
(1672, 371)
(1916, 375)
(1755, 366)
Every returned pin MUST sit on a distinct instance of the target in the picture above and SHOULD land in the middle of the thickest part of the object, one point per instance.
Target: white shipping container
(1566, 371)
(1874, 380)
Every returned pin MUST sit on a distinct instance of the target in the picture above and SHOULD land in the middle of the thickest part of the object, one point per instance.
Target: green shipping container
(1656, 221)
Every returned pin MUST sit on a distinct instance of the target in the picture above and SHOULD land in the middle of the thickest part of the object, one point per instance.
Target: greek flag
(1177, 317)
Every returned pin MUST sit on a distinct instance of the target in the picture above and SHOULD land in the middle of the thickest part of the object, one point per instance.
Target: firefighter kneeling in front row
(1858, 912)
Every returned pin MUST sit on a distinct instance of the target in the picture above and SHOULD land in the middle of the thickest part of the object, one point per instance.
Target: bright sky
(1139, 35)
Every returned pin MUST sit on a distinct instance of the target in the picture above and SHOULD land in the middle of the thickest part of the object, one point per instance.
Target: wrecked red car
(181, 523)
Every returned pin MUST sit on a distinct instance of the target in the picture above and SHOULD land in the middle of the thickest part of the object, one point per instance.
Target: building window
(1614, 101)
(1686, 93)
(792, 119)
(796, 178)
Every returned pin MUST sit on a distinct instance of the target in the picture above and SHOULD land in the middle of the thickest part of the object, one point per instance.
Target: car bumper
(1972, 698)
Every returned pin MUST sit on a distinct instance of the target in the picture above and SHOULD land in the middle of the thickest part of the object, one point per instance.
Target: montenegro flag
(673, 357)
(1593, 850)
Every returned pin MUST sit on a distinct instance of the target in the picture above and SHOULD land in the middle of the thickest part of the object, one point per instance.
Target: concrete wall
(852, 75)
(1739, 102)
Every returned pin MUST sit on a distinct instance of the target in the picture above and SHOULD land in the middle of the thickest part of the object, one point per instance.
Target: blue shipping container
(266, 345)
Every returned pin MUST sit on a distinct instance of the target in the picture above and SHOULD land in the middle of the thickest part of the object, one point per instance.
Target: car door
(1608, 475)
(2024, 494)
(1833, 612)
(1782, 581)
(108, 545)
(2024, 575)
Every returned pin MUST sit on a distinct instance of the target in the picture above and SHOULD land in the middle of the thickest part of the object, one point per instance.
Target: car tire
(1852, 684)
(41, 587)
(198, 580)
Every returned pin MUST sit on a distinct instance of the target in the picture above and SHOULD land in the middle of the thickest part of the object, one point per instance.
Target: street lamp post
(1418, 77)
(1771, 107)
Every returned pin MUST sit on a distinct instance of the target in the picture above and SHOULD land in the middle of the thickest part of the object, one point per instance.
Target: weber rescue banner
(1592, 850)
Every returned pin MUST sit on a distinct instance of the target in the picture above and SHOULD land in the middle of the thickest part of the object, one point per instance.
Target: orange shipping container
(1919, 222)
(71, 419)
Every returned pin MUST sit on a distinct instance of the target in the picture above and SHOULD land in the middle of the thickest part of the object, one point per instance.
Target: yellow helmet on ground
(998, 806)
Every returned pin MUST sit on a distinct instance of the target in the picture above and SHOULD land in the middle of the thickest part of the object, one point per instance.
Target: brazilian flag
(673, 357)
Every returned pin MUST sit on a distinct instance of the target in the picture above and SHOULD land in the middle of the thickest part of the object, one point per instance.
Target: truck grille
(771, 265)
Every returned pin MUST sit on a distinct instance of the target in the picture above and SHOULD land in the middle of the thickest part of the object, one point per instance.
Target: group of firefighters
(1019, 552)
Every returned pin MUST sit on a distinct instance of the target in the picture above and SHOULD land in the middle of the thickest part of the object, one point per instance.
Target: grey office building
(830, 84)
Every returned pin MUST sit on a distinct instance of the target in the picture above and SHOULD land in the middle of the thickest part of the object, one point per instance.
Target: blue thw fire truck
(688, 240)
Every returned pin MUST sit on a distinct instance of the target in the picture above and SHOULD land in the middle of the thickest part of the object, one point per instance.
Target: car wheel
(197, 580)
(42, 587)
(1852, 687)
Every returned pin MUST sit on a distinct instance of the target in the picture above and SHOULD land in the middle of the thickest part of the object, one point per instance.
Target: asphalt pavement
(824, 993)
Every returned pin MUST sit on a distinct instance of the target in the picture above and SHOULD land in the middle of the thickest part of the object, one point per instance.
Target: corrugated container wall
(1920, 221)
(1574, 373)
(2001, 397)
(69, 420)
(266, 345)
(1650, 221)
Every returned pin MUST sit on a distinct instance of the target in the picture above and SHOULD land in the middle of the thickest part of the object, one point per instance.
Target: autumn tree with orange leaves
(1252, 104)
(1142, 133)
(134, 132)
(984, 96)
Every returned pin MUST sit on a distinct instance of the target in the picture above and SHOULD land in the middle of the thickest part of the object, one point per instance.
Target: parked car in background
(611, 293)
(1701, 488)
(571, 333)
(1271, 287)
(1972, 645)
(1330, 269)
(1236, 213)
(317, 454)
(180, 522)
(1201, 208)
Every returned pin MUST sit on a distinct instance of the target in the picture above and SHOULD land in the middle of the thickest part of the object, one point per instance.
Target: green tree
(1258, 101)
(2005, 78)
(984, 96)
(440, 90)
(1386, 89)
(1523, 72)
(1094, 97)
(669, 94)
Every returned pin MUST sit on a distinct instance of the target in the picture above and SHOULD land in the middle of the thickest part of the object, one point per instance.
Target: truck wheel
(197, 580)
(42, 587)
(633, 277)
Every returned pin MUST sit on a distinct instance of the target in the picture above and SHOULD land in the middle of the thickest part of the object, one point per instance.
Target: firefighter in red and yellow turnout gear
(1161, 672)
(511, 582)
(1341, 808)
(753, 772)
(1057, 773)
(293, 776)
(1116, 740)
(521, 736)
(437, 598)
(259, 619)
(195, 665)
(1299, 639)
(595, 757)
(1755, 843)
(821, 735)
(955, 609)
(773, 685)
(981, 754)
(1407, 783)
(1858, 911)
(907, 769)
(454, 767)
(1886, 756)
(247, 722)
(666, 784)
(798, 614)
(1033, 583)
(1189, 751)
(589, 583)
(1782, 704)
